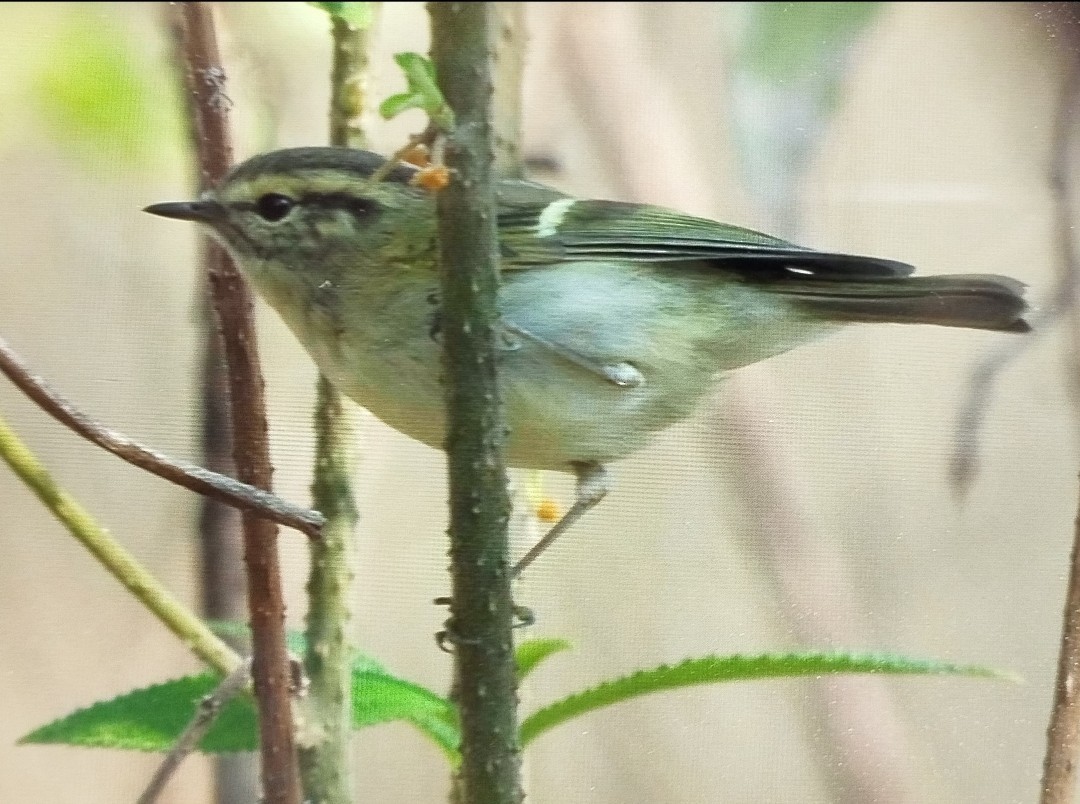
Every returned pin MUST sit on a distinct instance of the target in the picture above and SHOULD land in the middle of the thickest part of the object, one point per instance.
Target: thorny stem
(327, 708)
(481, 606)
(231, 299)
(508, 36)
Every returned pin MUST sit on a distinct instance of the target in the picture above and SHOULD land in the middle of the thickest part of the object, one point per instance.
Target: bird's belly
(561, 410)
(557, 413)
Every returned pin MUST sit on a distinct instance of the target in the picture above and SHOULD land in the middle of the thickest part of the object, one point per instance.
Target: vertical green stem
(349, 82)
(481, 607)
(324, 761)
(327, 708)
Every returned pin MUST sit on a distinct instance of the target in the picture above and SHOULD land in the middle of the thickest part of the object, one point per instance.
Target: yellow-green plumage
(617, 319)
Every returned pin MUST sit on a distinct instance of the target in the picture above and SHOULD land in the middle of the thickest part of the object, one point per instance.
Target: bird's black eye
(274, 206)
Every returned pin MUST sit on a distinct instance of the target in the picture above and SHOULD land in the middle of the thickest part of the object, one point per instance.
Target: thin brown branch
(231, 299)
(221, 559)
(1063, 733)
(197, 479)
(205, 714)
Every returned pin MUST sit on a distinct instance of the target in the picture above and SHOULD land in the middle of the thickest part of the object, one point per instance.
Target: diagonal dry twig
(202, 481)
(205, 714)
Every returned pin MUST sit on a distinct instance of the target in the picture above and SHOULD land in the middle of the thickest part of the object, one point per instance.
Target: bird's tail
(974, 301)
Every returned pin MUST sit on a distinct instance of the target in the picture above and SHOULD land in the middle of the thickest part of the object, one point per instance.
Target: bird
(616, 319)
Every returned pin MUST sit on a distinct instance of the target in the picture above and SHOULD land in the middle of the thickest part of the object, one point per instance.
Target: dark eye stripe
(358, 206)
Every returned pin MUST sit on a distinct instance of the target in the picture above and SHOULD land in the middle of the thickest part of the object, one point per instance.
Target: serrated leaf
(380, 698)
(714, 669)
(530, 653)
(150, 719)
(356, 15)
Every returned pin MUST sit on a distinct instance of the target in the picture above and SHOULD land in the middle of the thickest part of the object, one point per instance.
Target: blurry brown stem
(1063, 733)
(197, 479)
(656, 155)
(1063, 24)
(964, 458)
(205, 81)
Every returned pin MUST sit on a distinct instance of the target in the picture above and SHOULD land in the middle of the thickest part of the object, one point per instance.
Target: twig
(964, 458)
(1064, 24)
(197, 479)
(1063, 733)
(481, 607)
(112, 555)
(327, 708)
(349, 80)
(205, 715)
(205, 81)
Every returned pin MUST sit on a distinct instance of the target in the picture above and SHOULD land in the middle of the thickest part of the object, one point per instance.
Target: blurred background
(808, 505)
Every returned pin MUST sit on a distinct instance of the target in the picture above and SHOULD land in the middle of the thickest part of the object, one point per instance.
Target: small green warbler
(616, 319)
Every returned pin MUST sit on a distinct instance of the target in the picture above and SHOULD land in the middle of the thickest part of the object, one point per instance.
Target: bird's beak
(202, 211)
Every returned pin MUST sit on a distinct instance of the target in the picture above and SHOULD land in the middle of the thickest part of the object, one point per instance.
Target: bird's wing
(539, 226)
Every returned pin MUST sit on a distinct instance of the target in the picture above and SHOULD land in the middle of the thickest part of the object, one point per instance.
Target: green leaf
(713, 669)
(396, 104)
(150, 719)
(422, 92)
(357, 15)
(532, 652)
(379, 697)
(791, 62)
